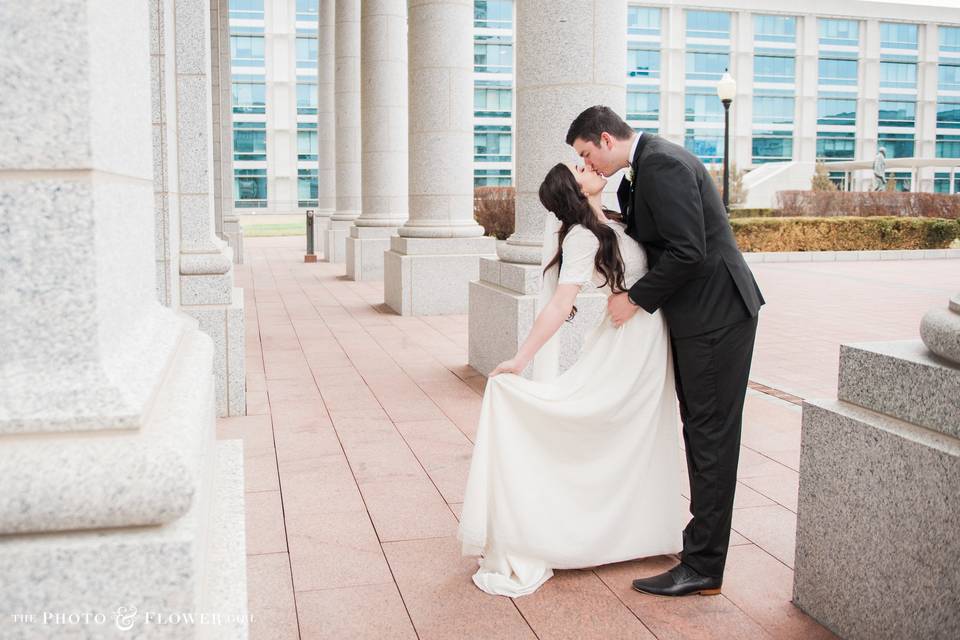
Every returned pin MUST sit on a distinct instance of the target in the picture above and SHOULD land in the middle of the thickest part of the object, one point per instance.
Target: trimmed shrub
(755, 213)
(869, 203)
(493, 209)
(844, 233)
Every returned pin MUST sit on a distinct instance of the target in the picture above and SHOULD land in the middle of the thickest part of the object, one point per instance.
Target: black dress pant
(711, 376)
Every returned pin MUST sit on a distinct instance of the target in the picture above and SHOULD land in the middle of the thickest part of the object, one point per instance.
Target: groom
(700, 281)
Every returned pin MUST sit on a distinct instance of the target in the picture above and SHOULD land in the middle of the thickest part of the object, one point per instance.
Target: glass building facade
(830, 125)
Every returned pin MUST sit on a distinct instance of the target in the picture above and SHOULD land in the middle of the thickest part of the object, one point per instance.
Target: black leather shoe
(679, 581)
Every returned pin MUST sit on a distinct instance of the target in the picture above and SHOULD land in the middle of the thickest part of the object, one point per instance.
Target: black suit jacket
(697, 275)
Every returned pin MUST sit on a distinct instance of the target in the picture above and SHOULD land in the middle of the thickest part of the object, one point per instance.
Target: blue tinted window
(308, 10)
(706, 144)
(492, 101)
(306, 52)
(949, 38)
(897, 113)
(835, 146)
(774, 28)
(838, 71)
(643, 105)
(249, 97)
(493, 14)
(706, 66)
(773, 69)
(643, 63)
(948, 146)
(250, 188)
(306, 143)
(949, 77)
(838, 111)
(897, 145)
(643, 21)
(895, 35)
(492, 178)
(703, 107)
(845, 32)
(898, 74)
(708, 24)
(246, 51)
(941, 183)
(493, 56)
(249, 141)
(948, 114)
(307, 187)
(246, 9)
(306, 98)
(492, 143)
(772, 146)
(773, 109)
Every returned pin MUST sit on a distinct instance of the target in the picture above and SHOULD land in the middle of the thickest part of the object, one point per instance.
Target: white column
(808, 52)
(112, 479)
(869, 76)
(741, 109)
(348, 150)
(280, 65)
(436, 253)
(570, 55)
(927, 89)
(383, 114)
(672, 71)
(206, 262)
(326, 123)
(227, 221)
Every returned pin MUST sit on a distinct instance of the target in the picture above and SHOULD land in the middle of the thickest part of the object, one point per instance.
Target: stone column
(206, 262)
(326, 123)
(436, 253)
(570, 55)
(115, 491)
(383, 114)
(227, 221)
(741, 110)
(348, 149)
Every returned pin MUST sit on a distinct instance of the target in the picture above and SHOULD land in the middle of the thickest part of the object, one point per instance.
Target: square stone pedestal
(335, 240)
(321, 224)
(879, 503)
(225, 325)
(431, 276)
(233, 234)
(364, 251)
(503, 307)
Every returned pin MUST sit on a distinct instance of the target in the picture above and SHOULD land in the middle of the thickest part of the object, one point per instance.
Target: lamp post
(726, 90)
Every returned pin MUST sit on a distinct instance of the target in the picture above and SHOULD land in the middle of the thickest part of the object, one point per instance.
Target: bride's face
(590, 181)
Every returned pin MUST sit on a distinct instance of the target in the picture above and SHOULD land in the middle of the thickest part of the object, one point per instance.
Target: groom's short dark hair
(593, 121)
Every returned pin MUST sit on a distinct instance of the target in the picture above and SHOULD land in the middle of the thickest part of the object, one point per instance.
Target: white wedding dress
(582, 470)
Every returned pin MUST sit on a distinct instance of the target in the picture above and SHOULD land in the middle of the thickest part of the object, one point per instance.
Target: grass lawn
(277, 229)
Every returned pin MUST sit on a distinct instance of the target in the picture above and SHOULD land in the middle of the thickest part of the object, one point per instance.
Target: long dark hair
(561, 195)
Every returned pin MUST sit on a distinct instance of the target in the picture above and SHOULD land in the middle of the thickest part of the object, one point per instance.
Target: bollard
(310, 255)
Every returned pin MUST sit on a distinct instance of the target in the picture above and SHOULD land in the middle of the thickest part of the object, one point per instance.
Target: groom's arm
(672, 193)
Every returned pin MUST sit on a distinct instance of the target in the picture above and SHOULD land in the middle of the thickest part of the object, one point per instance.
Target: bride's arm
(550, 319)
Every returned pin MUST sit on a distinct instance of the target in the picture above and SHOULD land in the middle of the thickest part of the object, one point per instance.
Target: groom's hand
(620, 308)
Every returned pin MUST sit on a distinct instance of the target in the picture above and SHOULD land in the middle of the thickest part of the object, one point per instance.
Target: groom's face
(599, 158)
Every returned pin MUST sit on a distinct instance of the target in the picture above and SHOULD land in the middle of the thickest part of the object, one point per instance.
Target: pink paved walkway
(358, 441)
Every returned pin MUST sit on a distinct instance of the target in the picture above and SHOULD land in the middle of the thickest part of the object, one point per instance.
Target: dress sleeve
(579, 252)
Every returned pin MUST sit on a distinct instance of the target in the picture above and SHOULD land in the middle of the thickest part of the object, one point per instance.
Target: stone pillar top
(940, 330)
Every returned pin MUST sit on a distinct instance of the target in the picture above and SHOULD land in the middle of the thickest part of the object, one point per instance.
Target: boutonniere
(630, 175)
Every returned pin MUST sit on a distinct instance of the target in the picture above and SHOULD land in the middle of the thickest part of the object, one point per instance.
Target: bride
(582, 469)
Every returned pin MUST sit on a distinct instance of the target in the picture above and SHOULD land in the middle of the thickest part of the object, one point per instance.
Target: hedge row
(868, 203)
(843, 233)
